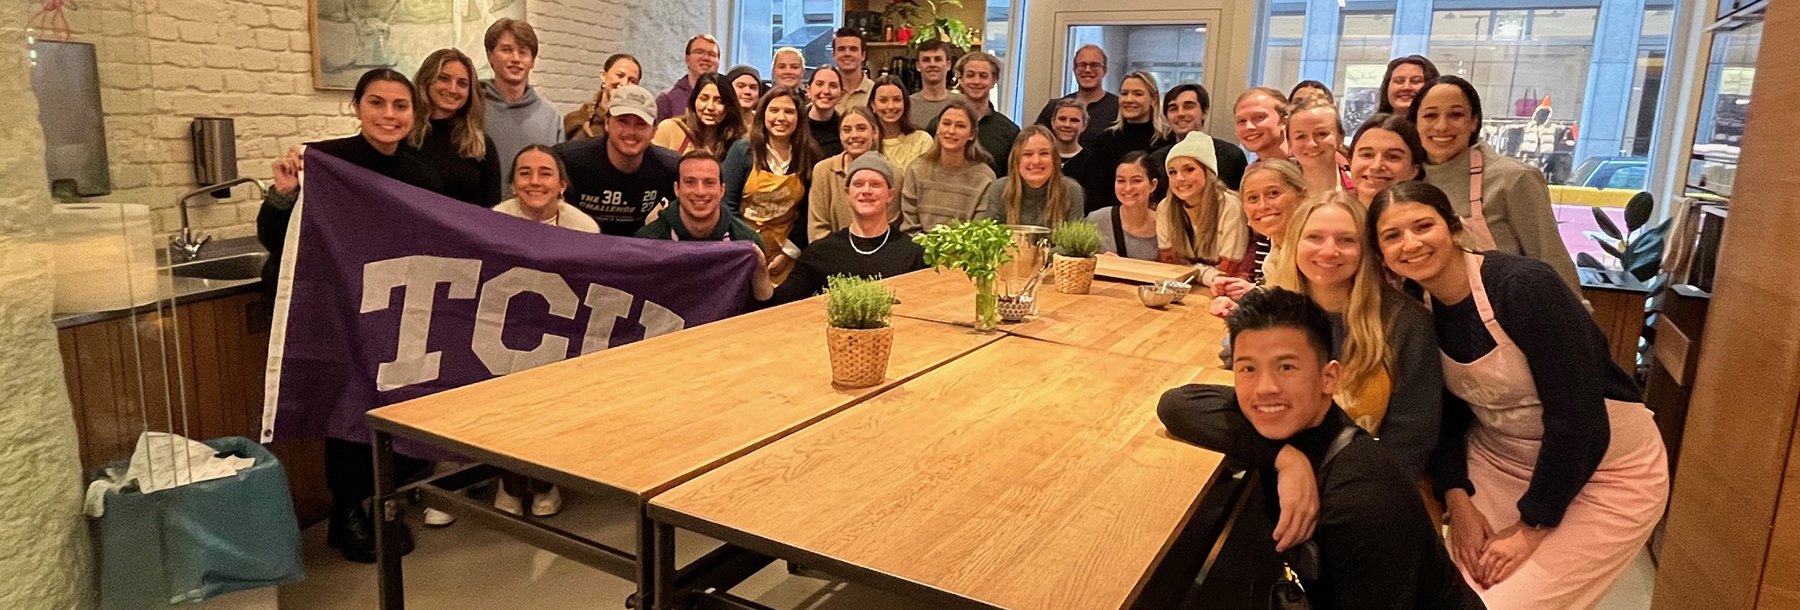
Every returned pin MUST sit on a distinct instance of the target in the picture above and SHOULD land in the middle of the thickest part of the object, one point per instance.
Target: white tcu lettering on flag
(418, 276)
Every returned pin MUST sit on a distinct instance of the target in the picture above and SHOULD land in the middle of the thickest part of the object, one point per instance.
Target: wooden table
(1025, 475)
(949, 297)
(642, 418)
(1112, 319)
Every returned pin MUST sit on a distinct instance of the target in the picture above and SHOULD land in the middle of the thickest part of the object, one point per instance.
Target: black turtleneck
(1377, 546)
(841, 253)
(474, 181)
(1112, 145)
(825, 134)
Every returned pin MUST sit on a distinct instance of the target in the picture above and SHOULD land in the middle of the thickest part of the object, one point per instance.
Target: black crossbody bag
(1301, 563)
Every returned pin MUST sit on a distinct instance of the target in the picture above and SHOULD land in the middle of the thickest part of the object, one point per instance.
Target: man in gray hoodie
(516, 116)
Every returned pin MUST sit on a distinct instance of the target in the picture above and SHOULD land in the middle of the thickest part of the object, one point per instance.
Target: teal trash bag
(201, 540)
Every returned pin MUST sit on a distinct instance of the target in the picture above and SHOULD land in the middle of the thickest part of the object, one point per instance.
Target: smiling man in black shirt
(619, 178)
(1376, 544)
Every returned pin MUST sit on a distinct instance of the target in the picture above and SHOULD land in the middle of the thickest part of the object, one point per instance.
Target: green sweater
(668, 226)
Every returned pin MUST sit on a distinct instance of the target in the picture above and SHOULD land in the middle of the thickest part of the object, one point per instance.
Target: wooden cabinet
(196, 371)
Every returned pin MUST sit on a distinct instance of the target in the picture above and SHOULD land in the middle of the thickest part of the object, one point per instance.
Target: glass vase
(987, 306)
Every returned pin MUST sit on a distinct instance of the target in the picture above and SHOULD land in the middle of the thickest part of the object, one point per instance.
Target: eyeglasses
(704, 53)
(1089, 65)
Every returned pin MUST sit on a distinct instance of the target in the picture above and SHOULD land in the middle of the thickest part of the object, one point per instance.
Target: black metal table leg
(646, 562)
(386, 512)
(663, 560)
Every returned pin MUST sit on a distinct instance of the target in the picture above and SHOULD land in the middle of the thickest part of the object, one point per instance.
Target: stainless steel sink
(247, 266)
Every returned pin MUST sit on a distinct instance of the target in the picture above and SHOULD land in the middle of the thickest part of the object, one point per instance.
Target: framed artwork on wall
(350, 37)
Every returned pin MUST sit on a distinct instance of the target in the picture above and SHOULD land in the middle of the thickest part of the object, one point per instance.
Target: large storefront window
(1531, 67)
(765, 25)
(1538, 68)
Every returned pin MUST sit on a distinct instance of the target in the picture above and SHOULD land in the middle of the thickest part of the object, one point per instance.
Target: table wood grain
(1112, 319)
(1025, 475)
(949, 297)
(646, 416)
(1141, 271)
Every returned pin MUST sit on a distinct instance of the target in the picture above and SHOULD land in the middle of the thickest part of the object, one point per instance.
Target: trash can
(201, 540)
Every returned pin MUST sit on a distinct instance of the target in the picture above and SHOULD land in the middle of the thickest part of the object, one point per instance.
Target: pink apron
(1606, 524)
(1475, 224)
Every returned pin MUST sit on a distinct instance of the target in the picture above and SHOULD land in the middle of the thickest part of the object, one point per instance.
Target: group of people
(1407, 285)
(1405, 280)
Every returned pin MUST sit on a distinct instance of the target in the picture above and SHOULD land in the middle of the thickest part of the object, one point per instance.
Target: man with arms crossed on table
(1376, 546)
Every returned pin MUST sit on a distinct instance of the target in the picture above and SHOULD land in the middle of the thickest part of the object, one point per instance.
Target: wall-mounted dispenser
(66, 79)
(215, 152)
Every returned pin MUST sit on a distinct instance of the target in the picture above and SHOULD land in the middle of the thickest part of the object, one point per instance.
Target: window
(1173, 54)
(1365, 43)
(1531, 68)
(1723, 108)
(765, 25)
(1281, 51)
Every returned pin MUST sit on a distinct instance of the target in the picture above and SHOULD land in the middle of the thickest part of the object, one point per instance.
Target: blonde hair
(1193, 242)
(1055, 196)
(1288, 171)
(1365, 351)
(1159, 122)
(466, 131)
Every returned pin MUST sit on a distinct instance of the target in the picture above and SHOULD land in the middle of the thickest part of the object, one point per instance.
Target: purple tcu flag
(389, 292)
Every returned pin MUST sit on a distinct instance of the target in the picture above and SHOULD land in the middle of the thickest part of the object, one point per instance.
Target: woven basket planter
(859, 357)
(1074, 275)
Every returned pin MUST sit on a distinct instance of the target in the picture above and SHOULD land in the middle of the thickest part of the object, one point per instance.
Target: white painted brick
(249, 15)
(163, 27)
(270, 40)
(289, 18)
(199, 32)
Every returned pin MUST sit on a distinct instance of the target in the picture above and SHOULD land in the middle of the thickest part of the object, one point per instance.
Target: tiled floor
(467, 567)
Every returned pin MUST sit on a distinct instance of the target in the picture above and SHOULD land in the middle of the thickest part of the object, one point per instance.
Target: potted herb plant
(1076, 244)
(977, 248)
(857, 332)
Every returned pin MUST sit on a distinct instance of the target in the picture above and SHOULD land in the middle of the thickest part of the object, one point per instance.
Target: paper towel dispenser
(66, 78)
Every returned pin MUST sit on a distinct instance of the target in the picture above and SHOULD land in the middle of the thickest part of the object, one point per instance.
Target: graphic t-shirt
(618, 201)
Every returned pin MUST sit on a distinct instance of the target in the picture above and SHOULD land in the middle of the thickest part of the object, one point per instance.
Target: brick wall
(163, 62)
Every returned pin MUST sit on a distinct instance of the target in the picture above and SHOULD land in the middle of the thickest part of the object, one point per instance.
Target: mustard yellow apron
(771, 205)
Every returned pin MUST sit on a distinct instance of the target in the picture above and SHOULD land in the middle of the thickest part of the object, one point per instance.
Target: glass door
(1205, 42)
(1173, 53)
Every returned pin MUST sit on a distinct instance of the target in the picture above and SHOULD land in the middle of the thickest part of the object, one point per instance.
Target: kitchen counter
(225, 268)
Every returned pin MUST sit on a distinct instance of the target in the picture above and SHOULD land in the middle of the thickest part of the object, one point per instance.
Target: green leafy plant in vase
(922, 17)
(857, 332)
(978, 249)
(1077, 243)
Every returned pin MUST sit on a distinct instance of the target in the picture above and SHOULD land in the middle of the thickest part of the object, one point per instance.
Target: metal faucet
(185, 245)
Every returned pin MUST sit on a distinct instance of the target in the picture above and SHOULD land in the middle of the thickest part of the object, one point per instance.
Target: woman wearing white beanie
(1201, 223)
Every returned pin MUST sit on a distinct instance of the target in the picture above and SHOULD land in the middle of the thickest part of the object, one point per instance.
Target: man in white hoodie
(516, 116)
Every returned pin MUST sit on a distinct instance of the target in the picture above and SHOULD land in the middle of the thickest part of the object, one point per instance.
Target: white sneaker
(547, 503)
(507, 502)
(438, 518)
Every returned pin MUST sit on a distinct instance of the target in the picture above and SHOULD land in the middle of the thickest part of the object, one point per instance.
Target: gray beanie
(872, 161)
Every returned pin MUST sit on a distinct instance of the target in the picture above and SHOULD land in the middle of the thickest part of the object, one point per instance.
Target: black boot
(352, 532)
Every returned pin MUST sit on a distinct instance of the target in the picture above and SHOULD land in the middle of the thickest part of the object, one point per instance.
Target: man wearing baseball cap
(870, 247)
(620, 177)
